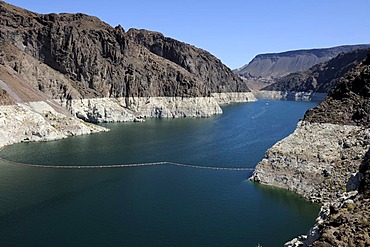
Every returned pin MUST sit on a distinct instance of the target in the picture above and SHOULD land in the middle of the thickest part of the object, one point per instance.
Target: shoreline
(43, 121)
(319, 161)
(73, 167)
(39, 121)
(290, 95)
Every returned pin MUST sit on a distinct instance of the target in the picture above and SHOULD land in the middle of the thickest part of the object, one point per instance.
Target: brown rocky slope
(97, 60)
(349, 102)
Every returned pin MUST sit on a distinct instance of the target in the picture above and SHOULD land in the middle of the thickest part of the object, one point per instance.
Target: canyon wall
(324, 161)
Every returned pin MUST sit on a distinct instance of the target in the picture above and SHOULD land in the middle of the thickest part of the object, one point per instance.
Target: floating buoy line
(161, 163)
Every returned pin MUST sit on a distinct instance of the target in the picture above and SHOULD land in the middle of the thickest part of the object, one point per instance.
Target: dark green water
(159, 205)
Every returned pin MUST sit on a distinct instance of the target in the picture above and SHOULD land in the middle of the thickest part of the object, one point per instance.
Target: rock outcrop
(5, 98)
(316, 161)
(348, 220)
(38, 121)
(344, 221)
(326, 160)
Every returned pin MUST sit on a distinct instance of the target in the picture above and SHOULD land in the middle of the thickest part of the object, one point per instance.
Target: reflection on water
(288, 199)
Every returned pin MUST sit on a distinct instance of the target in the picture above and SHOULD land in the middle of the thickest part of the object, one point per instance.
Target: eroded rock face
(316, 161)
(101, 61)
(196, 61)
(38, 121)
(348, 221)
(325, 161)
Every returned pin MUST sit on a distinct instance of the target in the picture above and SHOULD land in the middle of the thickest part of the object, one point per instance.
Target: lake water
(157, 205)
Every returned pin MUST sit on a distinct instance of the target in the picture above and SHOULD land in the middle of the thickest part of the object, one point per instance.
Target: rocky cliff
(321, 77)
(97, 60)
(196, 61)
(264, 69)
(326, 157)
(81, 67)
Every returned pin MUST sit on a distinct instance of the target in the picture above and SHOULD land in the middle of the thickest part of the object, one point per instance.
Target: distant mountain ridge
(322, 77)
(269, 67)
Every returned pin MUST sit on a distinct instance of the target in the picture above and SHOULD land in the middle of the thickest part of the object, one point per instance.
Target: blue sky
(234, 30)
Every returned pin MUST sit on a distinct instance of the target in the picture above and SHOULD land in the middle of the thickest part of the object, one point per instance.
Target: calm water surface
(159, 205)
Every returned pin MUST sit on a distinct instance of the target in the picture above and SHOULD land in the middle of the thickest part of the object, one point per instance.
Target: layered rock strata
(237, 97)
(115, 110)
(174, 107)
(137, 108)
